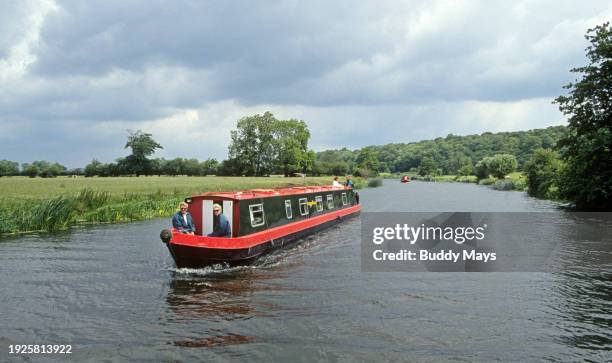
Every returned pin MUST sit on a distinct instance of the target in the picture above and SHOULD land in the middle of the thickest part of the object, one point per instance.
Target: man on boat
(221, 226)
(349, 181)
(182, 220)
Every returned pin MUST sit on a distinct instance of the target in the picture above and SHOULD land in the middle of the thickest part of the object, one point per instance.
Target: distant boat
(405, 179)
(261, 220)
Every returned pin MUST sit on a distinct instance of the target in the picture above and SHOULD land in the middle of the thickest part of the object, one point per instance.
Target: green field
(36, 204)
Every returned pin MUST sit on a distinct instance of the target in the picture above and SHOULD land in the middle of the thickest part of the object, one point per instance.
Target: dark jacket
(221, 227)
(179, 223)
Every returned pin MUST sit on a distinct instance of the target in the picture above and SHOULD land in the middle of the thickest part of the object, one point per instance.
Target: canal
(112, 292)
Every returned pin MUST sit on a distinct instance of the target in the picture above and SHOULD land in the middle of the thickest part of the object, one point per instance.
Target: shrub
(374, 183)
(542, 170)
(504, 184)
(487, 181)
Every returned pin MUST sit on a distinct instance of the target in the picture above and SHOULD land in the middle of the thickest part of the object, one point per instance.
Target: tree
(291, 146)
(8, 168)
(501, 165)
(466, 169)
(261, 144)
(428, 166)
(30, 170)
(52, 170)
(210, 167)
(482, 168)
(586, 148)
(367, 159)
(251, 149)
(142, 145)
(542, 173)
(93, 168)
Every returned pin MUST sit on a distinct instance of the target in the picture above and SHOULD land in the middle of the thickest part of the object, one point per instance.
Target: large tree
(8, 168)
(291, 146)
(541, 171)
(142, 145)
(251, 149)
(586, 148)
(261, 145)
(501, 165)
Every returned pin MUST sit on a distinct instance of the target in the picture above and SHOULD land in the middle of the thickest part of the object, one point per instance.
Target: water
(113, 293)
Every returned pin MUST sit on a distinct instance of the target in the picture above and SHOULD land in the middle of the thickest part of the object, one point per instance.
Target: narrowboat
(405, 179)
(261, 220)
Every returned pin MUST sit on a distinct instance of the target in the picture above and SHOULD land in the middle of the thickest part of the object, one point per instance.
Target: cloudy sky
(75, 75)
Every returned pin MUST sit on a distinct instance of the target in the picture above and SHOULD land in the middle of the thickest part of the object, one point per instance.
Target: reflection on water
(113, 293)
(225, 297)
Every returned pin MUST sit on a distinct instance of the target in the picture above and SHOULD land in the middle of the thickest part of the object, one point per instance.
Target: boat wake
(270, 260)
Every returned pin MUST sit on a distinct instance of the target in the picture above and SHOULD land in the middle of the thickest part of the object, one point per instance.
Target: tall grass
(53, 214)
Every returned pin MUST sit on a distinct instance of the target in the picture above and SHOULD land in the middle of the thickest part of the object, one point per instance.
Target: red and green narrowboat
(261, 220)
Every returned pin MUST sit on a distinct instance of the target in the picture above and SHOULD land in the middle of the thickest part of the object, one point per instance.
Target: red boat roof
(266, 193)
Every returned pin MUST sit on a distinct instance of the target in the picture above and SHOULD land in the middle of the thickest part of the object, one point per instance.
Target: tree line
(452, 155)
(262, 145)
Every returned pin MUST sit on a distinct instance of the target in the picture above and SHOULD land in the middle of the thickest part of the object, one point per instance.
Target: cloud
(358, 73)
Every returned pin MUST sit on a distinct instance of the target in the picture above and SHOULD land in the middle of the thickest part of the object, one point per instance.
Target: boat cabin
(256, 210)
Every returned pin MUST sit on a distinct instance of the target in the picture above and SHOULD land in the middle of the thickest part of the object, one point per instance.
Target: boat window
(303, 206)
(288, 212)
(344, 199)
(330, 201)
(257, 215)
(319, 200)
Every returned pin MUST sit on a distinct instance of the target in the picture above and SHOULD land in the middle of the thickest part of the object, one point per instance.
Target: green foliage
(375, 182)
(333, 168)
(586, 149)
(510, 184)
(467, 179)
(8, 168)
(91, 199)
(497, 165)
(428, 167)
(466, 169)
(291, 154)
(482, 168)
(209, 167)
(367, 159)
(93, 168)
(30, 170)
(43, 168)
(542, 172)
(263, 145)
(452, 153)
(142, 145)
(502, 164)
(487, 181)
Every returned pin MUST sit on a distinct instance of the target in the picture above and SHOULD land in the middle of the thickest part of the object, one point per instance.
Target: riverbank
(513, 181)
(36, 204)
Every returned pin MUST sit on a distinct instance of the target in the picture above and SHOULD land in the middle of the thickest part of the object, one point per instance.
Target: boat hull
(194, 255)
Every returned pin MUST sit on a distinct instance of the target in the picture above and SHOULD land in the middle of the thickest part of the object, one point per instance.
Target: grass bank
(36, 204)
(514, 181)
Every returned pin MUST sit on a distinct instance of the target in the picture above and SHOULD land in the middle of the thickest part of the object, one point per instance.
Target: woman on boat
(182, 220)
(335, 182)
